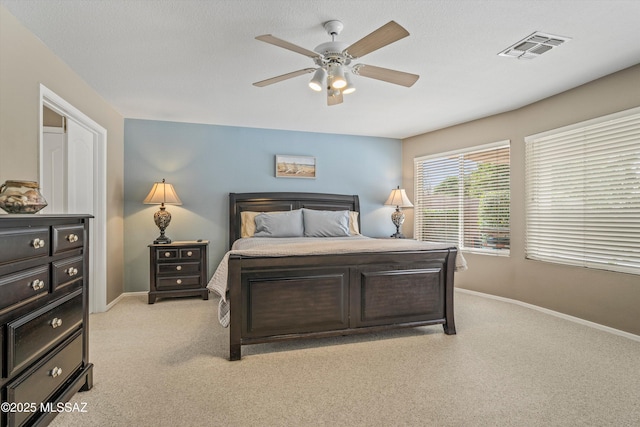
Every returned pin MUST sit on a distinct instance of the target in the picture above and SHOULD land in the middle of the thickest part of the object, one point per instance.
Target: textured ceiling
(195, 60)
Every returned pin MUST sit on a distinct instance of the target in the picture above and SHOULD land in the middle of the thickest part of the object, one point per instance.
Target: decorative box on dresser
(178, 269)
(44, 315)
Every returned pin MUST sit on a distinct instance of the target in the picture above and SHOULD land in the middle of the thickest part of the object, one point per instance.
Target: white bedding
(276, 247)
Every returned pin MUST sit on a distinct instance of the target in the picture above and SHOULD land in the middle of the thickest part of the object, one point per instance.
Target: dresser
(44, 315)
(178, 269)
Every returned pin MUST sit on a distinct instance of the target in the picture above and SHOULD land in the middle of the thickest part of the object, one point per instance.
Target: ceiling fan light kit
(333, 61)
(317, 82)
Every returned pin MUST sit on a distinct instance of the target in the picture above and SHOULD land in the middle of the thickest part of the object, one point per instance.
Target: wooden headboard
(270, 202)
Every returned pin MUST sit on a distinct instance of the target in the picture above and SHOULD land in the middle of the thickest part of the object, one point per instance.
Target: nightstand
(178, 269)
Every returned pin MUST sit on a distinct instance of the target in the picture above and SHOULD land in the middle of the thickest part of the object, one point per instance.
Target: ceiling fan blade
(277, 79)
(387, 34)
(385, 74)
(268, 38)
(334, 99)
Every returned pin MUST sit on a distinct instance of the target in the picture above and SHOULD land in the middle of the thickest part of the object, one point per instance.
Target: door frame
(98, 245)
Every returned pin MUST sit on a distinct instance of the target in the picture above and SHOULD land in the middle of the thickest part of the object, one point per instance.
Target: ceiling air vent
(533, 46)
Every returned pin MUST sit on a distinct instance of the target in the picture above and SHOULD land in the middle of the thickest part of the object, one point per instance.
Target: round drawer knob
(56, 322)
(72, 238)
(167, 254)
(72, 271)
(37, 284)
(179, 267)
(38, 243)
(56, 372)
(179, 281)
(190, 253)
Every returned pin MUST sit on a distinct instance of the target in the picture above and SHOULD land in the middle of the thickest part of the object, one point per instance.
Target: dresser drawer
(17, 244)
(178, 282)
(30, 336)
(1, 357)
(179, 268)
(39, 385)
(67, 272)
(24, 286)
(67, 237)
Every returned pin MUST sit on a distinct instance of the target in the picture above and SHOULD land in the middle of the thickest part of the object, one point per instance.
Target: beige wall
(25, 63)
(611, 299)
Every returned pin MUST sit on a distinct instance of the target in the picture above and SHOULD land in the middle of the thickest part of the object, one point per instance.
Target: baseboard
(555, 313)
(122, 295)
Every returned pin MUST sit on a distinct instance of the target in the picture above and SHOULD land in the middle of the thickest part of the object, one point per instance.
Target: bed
(282, 288)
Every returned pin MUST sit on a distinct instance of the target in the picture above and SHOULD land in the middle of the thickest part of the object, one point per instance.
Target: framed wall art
(295, 166)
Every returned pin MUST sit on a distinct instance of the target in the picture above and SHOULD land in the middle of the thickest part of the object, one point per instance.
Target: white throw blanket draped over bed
(277, 247)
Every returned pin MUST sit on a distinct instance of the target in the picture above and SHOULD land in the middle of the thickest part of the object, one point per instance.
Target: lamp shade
(162, 193)
(317, 82)
(349, 88)
(336, 73)
(398, 197)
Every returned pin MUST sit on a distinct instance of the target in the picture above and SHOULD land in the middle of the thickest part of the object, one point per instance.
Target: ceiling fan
(333, 61)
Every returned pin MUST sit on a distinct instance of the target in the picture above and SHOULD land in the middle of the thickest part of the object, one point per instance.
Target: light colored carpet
(165, 365)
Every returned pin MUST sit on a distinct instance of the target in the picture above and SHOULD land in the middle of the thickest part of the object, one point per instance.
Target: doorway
(72, 166)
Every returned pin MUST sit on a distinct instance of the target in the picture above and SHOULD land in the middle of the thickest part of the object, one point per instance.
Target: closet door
(53, 183)
(80, 147)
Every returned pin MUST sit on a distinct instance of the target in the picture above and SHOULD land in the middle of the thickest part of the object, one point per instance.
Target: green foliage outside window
(485, 188)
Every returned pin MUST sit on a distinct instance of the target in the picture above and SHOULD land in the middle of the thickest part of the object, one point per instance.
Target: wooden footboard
(282, 298)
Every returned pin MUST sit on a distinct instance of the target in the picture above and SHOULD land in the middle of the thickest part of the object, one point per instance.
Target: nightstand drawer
(167, 253)
(24, 286)
(23, 243)
(178, 282)
(190, 253)
(179, 268)
(30, 336)
(38, 386)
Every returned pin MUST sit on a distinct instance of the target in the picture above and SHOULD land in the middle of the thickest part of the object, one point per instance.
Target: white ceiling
(195, 60)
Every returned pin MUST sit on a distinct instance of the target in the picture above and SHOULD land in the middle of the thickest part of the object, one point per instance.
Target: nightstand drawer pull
(190, 253)
(38, 243)
(179, 281)
(37, 284)
(178, 267)
(71, 271)
(167, 254)
(56, 322)
(72, 238)
(55, 372)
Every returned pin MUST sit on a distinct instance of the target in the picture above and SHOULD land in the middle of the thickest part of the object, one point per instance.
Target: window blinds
(583, 194)
(463, 198)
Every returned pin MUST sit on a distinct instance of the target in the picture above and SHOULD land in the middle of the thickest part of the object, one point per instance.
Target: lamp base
(162, 239)
(397, 218)
(162, 218)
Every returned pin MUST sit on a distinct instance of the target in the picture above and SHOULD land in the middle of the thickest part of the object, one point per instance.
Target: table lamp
(162, 193)
(399, 199)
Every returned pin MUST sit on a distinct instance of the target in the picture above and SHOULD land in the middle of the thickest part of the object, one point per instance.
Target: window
(463, 198)
(583, 194)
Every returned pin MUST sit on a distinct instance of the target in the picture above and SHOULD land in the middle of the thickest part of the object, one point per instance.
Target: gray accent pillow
(280, 224)
(325, 223)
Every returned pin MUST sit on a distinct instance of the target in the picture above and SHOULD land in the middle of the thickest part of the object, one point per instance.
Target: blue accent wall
(207, 162)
